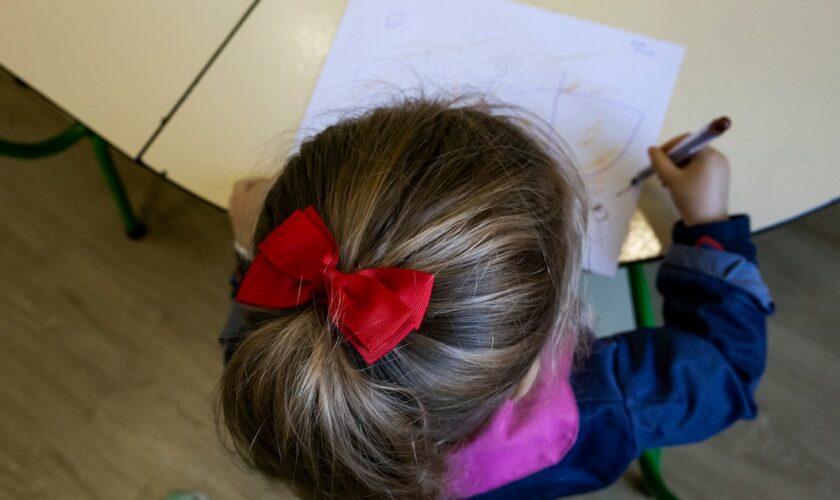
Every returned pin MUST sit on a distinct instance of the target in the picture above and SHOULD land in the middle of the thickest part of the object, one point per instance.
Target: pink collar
(521, 438)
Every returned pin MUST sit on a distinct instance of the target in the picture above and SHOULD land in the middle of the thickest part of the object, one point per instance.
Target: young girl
(411, 325)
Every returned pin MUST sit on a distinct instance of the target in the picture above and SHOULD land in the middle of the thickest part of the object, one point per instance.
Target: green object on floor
(650, 460)
(133, 227)
(186, 495)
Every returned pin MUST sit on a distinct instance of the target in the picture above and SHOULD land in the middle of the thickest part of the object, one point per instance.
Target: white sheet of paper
(604, 90)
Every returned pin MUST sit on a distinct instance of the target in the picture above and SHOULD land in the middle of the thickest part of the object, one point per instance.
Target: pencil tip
(628, 188)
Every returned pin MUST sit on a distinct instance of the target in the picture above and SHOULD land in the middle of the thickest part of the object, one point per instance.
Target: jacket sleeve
(696, 375)
(677, 384)
(235, 329)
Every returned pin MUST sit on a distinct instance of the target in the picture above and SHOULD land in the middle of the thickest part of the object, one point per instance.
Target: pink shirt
(523, 437)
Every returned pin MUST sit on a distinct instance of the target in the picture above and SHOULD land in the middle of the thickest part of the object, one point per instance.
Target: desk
(119, 67)
(775, 71)
(241, 119)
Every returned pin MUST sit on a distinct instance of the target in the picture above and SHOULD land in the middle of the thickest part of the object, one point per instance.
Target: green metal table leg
(650, 460)
(134, 228)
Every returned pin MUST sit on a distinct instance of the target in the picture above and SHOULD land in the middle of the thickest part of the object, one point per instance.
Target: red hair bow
(374, 308)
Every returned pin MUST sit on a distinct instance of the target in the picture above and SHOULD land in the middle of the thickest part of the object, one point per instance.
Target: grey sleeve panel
(235, 324)
(732, 268)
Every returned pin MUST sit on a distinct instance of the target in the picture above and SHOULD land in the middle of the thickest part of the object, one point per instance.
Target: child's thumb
(662, 165)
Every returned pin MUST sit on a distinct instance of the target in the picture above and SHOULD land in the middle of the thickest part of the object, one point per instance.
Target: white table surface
(121, 67)
(241, 118)
(774, 69)
(118, 66)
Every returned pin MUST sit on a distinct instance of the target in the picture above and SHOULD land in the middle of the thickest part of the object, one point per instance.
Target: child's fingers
(673, 141)
(662, 165)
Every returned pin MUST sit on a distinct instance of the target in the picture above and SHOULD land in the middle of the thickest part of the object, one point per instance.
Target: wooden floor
(109, 355)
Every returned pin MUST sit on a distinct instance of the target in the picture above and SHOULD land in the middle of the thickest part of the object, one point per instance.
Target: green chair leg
(134, 228)
(650, 460)
(44, 148)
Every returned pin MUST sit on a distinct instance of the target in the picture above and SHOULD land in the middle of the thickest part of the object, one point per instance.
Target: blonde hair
(475, 197)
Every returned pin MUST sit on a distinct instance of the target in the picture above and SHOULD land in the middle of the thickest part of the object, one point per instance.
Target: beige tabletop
(772, 67)
(241, 118)
(117, 66)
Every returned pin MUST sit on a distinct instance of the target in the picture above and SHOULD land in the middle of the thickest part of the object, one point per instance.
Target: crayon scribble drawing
(602, 90)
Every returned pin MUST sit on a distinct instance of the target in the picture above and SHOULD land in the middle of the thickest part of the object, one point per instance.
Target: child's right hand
(700, 189)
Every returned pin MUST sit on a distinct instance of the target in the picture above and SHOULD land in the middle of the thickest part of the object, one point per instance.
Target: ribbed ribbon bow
(297, 263)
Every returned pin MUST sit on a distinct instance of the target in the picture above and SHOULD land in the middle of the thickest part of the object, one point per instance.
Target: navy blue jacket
(677, 384)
